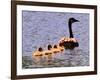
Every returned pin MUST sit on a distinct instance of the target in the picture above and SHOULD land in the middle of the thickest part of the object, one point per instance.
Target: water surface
(43, 28)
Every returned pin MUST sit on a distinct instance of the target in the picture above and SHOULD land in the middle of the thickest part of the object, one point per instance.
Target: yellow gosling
(61, 47)
(48, 54)
(55, 49)
(37, 55)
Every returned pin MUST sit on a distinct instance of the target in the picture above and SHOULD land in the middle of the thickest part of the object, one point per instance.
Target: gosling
(48, 53)
(37, 55)
(55, 49)
(61, 47)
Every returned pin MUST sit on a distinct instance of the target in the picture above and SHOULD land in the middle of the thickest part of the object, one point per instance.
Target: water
(43, 28)
(68, 58)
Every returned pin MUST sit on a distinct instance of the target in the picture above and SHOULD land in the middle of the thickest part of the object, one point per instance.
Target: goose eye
(71, 20)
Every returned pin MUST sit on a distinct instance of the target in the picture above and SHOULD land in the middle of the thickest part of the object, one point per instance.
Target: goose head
(72, 20)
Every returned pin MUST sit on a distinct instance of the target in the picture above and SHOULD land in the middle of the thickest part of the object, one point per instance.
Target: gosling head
(40, 49)
(49, 47)
(55, 46)
(60, 44)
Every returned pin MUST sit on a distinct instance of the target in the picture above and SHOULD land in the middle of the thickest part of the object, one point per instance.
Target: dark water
(68, 58)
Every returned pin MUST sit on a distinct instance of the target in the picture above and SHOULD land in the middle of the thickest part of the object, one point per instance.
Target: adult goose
(70, 42)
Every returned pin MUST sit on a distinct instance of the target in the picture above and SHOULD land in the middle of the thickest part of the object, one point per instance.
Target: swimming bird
(48, 53)
(60, 47)
(70, 42)
(55, 49)
(37, 55)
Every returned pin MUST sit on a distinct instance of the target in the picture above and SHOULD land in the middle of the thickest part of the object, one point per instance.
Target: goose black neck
(70, 29)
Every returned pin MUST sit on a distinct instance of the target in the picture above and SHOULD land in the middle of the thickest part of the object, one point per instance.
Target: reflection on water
(69, 58)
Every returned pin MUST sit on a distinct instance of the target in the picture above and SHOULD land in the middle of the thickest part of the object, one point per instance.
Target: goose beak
(77, 21)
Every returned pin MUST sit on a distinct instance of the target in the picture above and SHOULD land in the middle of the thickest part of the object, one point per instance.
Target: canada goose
(37, 55)
(71, 42)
